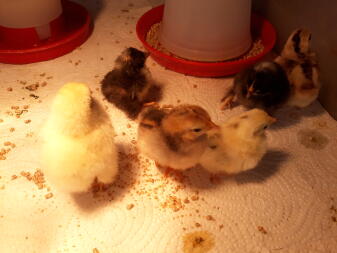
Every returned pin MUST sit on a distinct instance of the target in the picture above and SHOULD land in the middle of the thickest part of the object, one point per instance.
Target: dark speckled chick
(300, 64)
(129, 85)
(263, 85)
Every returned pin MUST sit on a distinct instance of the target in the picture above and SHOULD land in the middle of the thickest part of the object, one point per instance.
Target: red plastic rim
(77, 30)
(260, 28)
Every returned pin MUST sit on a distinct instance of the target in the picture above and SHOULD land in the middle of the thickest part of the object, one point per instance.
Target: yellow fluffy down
(238, 145)
(233, 154)
(78, 141)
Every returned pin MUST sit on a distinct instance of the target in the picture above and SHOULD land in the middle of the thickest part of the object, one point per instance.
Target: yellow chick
(239, 144)
(78, 141)
(300, 65)
(175, 137)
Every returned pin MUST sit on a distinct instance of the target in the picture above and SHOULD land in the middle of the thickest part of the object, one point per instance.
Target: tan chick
(78, 141)
(174, 138)
(239, 144)
(300, 65)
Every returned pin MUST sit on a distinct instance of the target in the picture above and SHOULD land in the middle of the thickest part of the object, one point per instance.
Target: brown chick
(129, 85)
(300, 65)
(174, 137)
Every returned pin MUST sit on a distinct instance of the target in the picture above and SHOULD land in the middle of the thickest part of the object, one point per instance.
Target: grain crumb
(12, 129)
(27, 121)
(34, 96)
(197, 224)
(38, 179)
(130, 206)
(32, 87)
(174, 203)
(27, 175)
(14, 177)
(95, 250)
(30, 134)
(262, 229)
(9, 89)
(49, 195)
(210, 217)
(195, 197)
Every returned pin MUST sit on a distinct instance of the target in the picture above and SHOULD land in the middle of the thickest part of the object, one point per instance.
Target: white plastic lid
(212, 30)
(28, 13)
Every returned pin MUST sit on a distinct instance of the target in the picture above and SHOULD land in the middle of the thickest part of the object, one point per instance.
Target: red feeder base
(259, 26)
(76, 29)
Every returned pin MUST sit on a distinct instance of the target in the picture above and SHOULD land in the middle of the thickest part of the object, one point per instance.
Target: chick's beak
(151, 104)
(250, 91)
(272, 120)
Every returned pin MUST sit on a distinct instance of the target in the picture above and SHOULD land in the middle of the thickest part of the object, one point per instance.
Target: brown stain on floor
(198, 242)
(312, 139)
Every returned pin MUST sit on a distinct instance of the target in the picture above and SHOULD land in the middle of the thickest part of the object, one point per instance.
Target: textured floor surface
(287, 204)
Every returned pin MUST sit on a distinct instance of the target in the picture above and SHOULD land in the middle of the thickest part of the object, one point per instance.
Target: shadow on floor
(291, 116)
(94, 7)
(199, 178)
(268, 166)
(104, 195)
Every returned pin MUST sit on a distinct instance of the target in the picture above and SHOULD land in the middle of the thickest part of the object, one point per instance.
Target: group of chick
(79, 147)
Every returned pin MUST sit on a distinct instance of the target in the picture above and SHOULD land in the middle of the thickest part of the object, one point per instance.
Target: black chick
(264, 85)
(129, 85)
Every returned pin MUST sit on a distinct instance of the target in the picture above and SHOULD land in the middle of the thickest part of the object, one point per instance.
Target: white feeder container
(212, 30)
(30, 13)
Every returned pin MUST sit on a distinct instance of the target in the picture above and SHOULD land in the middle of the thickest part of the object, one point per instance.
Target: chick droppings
(198, 242)
(312, 139)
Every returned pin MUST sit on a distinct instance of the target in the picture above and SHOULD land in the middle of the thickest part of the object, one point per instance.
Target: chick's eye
(250, 80)
(196, 130)
(265, 127)
(257, 91)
